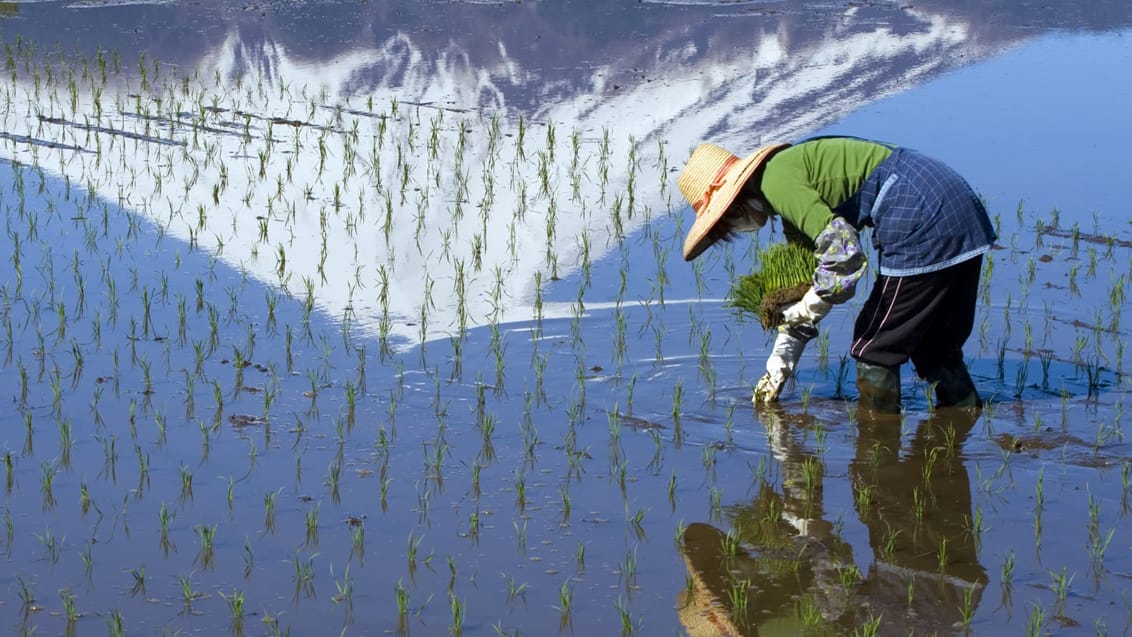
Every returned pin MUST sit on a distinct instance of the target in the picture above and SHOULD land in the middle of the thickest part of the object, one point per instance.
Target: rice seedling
(849, 576)
(514, 591)
(1035, 623)
(269, 500)
(1059, 584)
(139, 580)
(564, 498)
(206, 536)
(869, 627)
(738, 596)
(1006, 574)
(186, 483)
(70, 613)
(565, 599)
(116, 624)
(677, 398)
(334, 474)
(188, 595)
(304, 574)
(235, 603)
(456, 626)
(715, 502)
(345, 594)
(9, 464)
(47, 480)
(414, 546)
(918, 504)
(1092, 370)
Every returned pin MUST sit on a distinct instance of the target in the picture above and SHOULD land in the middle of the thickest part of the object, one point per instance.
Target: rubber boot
(953, 386)
(879, 388)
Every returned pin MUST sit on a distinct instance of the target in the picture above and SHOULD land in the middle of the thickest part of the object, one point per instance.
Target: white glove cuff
(811, 309)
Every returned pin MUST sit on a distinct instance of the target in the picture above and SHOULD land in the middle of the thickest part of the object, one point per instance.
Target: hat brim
(705, 612)
(697, 240)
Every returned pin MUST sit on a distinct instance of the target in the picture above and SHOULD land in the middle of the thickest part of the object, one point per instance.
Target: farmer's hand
(788, 347)
(808, 311)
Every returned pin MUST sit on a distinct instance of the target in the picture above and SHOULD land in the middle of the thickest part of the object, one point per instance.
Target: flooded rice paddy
(313, 328)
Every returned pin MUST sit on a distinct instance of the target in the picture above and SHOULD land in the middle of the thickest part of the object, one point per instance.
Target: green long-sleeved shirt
(804, 183)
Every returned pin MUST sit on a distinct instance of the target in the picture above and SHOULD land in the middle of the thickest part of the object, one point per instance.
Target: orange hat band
(716, 184)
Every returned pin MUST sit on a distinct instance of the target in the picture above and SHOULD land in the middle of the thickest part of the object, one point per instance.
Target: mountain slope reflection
(428, 168)
(416, 189)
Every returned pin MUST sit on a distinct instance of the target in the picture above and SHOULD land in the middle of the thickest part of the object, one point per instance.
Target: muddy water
(266, 375)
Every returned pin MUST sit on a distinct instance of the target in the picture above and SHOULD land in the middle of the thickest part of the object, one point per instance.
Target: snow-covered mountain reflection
(417, 185)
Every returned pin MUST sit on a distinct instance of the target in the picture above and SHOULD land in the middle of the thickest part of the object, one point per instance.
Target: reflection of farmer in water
(784, 569)
(929, 230)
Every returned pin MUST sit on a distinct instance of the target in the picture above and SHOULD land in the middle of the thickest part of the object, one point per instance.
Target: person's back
(929, 231)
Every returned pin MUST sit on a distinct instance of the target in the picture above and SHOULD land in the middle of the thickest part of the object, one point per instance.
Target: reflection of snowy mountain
(387, 184)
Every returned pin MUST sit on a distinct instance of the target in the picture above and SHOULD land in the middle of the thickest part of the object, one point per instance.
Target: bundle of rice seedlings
(783, 275)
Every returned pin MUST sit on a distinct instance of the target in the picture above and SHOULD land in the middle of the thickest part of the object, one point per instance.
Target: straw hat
(710, 181)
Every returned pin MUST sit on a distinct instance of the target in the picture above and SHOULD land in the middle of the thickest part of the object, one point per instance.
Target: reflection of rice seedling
(785, 271)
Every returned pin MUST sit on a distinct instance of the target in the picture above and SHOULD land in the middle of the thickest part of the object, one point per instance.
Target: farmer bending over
(928, 227)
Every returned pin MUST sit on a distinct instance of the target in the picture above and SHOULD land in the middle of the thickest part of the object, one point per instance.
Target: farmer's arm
(841, 260)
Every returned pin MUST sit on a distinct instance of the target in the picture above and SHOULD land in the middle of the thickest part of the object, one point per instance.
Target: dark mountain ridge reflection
(536, 51)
